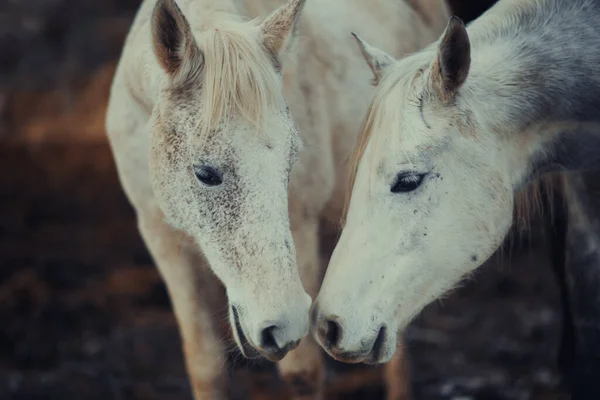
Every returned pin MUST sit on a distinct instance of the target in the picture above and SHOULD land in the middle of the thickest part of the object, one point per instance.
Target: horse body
(230, 137)
(453, 134)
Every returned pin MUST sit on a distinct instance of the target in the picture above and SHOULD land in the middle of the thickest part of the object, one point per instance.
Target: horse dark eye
(208, 175)
(407, 183)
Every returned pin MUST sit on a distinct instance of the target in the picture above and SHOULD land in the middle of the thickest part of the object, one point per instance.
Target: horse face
(419, 219)
(223, 145)
(432, 200)
(230, 192)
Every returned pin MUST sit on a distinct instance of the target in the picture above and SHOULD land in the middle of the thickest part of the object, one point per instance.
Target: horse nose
(274, 337)
(329, 331)
(273, 342)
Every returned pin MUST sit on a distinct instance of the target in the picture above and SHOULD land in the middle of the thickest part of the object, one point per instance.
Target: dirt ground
(83, 312)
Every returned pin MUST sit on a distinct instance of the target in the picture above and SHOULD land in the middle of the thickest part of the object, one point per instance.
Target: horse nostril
(334, 332)
(330, 333)
(267, 339)
(379, 341)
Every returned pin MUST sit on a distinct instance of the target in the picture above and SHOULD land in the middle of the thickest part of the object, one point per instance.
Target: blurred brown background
(83, 313)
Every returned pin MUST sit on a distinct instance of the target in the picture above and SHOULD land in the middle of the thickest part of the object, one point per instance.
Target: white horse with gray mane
(226, 179)
(453, 133)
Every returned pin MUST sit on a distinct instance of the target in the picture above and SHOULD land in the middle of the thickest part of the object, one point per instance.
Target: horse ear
(451, 66)
(280, 25)
(377, 60)
(172, 39)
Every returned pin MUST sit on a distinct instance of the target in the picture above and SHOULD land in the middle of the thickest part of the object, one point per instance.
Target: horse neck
(533, 63)
(534, 81)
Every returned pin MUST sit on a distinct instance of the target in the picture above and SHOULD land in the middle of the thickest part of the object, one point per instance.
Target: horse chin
(246, 348)
(278, 356)
(381, 351)
(358, 358)
(249, 351)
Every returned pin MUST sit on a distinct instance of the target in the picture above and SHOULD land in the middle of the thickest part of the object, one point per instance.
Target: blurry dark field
(83, 312)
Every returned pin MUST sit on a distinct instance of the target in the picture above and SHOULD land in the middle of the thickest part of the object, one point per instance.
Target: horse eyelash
(415, 102)
(418, 101)
(410, 178)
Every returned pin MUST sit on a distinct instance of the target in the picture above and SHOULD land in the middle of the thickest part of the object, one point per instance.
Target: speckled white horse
(230, 133)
